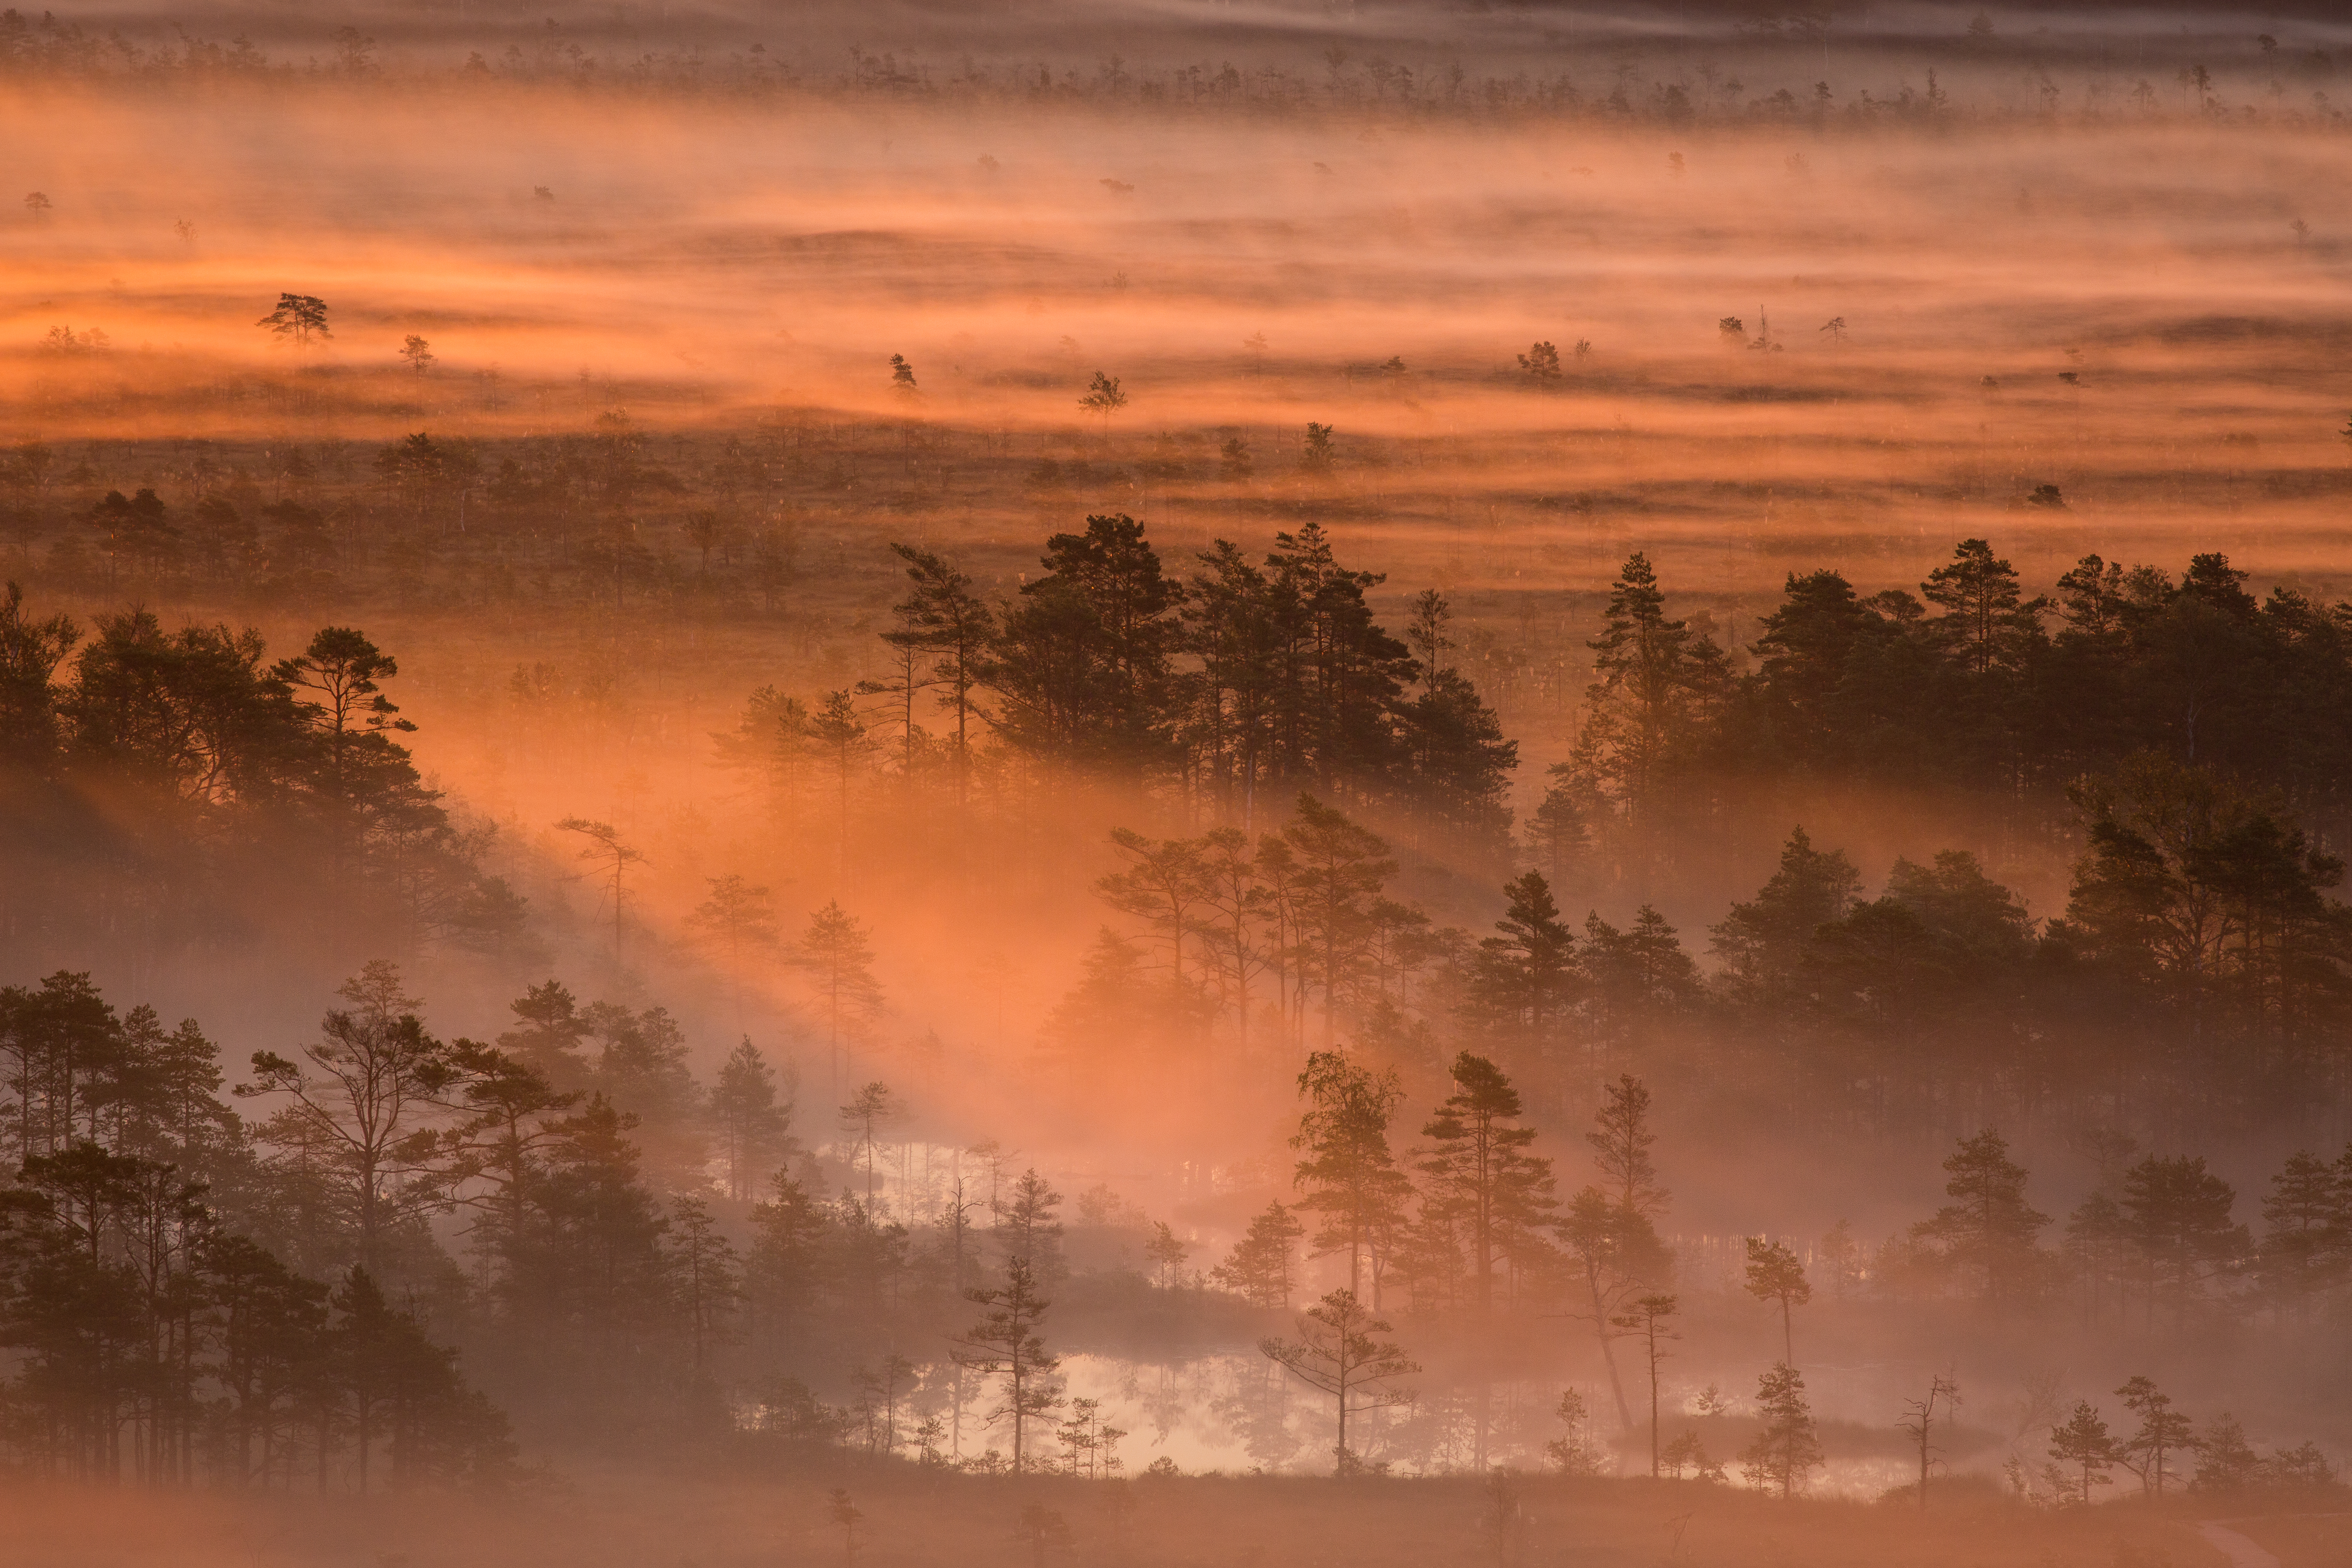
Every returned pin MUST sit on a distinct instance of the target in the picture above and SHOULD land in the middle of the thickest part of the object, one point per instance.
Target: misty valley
(1295, 784)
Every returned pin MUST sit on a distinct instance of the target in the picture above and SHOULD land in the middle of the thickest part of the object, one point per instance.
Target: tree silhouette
(1482, 1177)
(1103, 398)
(754, 1129)
(2163, 1433)
(838, 960)
(2084, 1446)
(1004, 1343)
(604, 847)
(1920, 1423)
(1261, 1268)
(869, 1110)
(1777, 1274)
(1338, 1350)
(1346, 1171)
(1648, 1319)
(1786, 1448)
(738, 917)
(1314, 456)
(1990, 1230)
(298, 317)
(846, 1516)
(369, 1095)
(1162, 883)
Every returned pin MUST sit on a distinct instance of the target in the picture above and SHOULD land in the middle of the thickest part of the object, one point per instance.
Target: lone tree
(2084, 1446)
(1787, 1449)
(1103, 398)
(300, 317)
(1316, 456)
(1338, 1350)
(419, 353)
(1541, 363)
(902, 374)
(603, 847)
(846, 1516)
(1920, 1423)
(1004, 1343)
(1777, 1274)
(1648, 1319)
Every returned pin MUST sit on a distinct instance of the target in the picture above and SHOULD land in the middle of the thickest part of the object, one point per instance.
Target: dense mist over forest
(1173, 782)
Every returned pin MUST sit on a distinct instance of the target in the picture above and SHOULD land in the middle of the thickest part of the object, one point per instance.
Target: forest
(1386, 783)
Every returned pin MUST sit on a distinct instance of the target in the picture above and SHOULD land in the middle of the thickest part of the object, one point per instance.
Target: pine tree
(1341, 867)
(1338, 1350)
(1658, 682)
(605, 848)
(594, 1264)
(372, 1090)
(789, 1262)
(1521, 986)
(706, 1278)
(838, 960)
(1990, 1231)
(846, 1515)
(517, 1118)
(1457, 762)
(548, 1034)
(2178, 1217)
(1481, 1174)
(739, 918)
(1347, 1173)
(1082, 663)
(1559, 830)
(1621, 1139)
(1634, 981)
(1648, 1319)
(2084, 1446)
(754, 1129)
(1027, 1229)
(1763, 942)
(2163, 1433)
(1777, 1274)
(942, 617)
(1261, 1267)
(1987, 622)
(1841, 1255)
(1005, 1343)
(1786, 1449)
(869, 1110)
(1163, 884)
(1609, 1232)
(1574, 1452)
(1167, 1252)
(2307, 1239)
